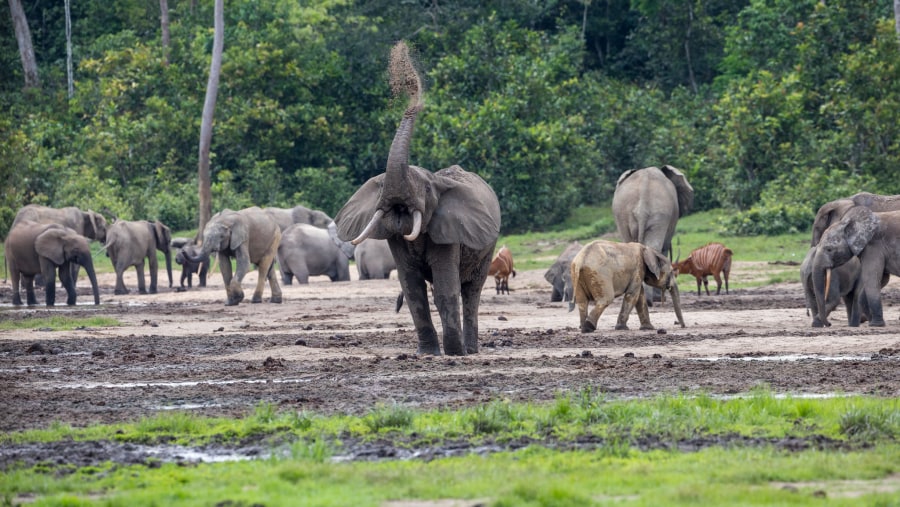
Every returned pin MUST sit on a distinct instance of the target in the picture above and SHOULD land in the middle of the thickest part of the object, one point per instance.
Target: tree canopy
(770, 107)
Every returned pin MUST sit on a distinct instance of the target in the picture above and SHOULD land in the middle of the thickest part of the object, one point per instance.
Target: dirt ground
(341, 348)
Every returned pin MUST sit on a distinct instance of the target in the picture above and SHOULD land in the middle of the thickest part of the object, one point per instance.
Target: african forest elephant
(647, 204)
(307, 251)
(441, 227)
(875, 239)
(189, 267)
(129, 243)
(250, 236)
(286, 217)
(33, 248)
(560, 276)
(831, 212)
(844, 284)
(604, 270)
(374, 260)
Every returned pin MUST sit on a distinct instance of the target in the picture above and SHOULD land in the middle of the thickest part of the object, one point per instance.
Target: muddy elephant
(844, 284)
(286, 217)
(307, 251)
(647, 204)
(130, 243)
(374, 260)
(189, 267)
(441, 227)
(831, 212)
(875, 239)
(604, 270)
(40, 248)
(250, 236)
(560, 276)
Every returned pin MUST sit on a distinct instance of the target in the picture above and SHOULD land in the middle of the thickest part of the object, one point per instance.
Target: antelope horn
(368, 230)
(417, 226)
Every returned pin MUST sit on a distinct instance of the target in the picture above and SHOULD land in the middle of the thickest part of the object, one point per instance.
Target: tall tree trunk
(209, 107)
(26, 50)
(164, 28)
(70, 75)
(897, 17)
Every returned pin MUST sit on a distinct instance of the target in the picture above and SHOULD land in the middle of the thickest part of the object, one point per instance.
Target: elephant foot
(275, 299)
(877, 323)
(647, 328)
(152, 291)
(428, 351)
(817, 323)
(588, 327)
(144, 292)
(234, 300)
(256, 299)
(622, 327)
(120, 292)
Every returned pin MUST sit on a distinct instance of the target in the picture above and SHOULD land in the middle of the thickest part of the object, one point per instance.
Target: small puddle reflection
(786, 358)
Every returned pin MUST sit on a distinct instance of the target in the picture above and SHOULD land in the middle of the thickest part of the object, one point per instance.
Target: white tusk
(827, 284)
(368, 230)
(417, 226)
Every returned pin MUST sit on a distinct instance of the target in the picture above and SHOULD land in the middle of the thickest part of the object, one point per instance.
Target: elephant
(307, 251)
(285, 218)
(603, 270)
(188, 267)
(647, 204)
(441, 227)
(874, 237)
(129, 243)
(374, 260)
(37, 248)
(249, 236)
(560, 276)
(844, 281)
(89, 224)
(831, 212)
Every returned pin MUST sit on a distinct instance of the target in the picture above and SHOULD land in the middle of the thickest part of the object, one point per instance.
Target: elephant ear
(49, 244)
(468, 212)
(356, 214)
(860, 225)
(829, 213)
(684, 189)
(239, 233)
(162, 234)
(94, 225)
(653, 260)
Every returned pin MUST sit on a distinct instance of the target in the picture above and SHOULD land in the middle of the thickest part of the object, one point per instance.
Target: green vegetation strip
(616, 470)
(59, 323)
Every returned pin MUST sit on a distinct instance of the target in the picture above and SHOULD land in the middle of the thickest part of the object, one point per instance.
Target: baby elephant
(603, 270)
(189, 267)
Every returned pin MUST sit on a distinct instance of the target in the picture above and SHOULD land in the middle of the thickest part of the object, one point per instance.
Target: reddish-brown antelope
(501, 268)
(711, 259)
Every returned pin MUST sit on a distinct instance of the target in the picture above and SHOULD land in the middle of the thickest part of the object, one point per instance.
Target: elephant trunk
(88, 265)
(676, 303)
(821, 281)
(168, 254)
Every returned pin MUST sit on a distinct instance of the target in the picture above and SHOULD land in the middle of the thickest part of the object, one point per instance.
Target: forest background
(770, 107)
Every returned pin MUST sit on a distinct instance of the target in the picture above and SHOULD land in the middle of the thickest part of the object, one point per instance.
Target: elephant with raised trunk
(875, 239)
(831, 212)
(250, 236)
(130, 243)
(441, 227)
(647, 204)
(40, 248)
(604, 270)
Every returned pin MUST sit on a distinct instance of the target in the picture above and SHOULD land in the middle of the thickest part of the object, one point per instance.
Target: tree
(26, 50)
(164, 28)
(209, 107)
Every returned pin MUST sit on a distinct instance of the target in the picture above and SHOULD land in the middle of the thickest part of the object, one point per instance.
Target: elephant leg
(643, 314)
(15, 277)
(154, 271)
(629, 300)
(28, 282)
(120, 279)
(234, 294)
(415, 291)
(65, 276)
(48, 271)
(274, 287)
(142, 284)
(471, 298)
(593, 317)
(204, 270)
(447, 299)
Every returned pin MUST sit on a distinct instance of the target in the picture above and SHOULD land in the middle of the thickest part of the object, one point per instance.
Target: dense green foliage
(771, 107)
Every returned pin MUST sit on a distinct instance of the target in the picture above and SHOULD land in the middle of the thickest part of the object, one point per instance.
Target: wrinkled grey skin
(647, 204)
(89, 224)
(40, 248)
(250, 236)
(286, 217)
(604, 270)
(875, 239)
(843, 285)
(831, 212)
(129, 243)
(459, 218)
(188, 267)
(560, 276)
(374, 260)
(307, 251)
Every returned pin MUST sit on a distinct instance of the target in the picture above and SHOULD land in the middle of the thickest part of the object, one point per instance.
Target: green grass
(59, 323)
(613, 472)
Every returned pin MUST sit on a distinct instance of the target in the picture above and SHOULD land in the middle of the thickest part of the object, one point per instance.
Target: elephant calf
(559, 275)
(603, 270)
(306, 250)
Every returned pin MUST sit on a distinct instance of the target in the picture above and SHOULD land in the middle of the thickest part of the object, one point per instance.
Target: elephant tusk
(368, 230)
(417, 226)
(827, 283)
